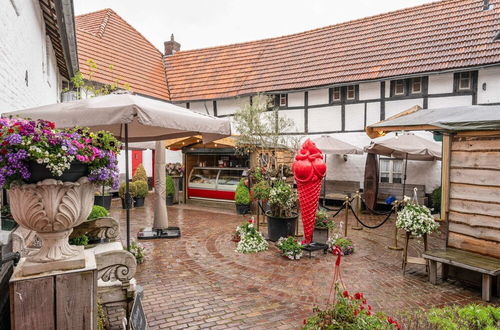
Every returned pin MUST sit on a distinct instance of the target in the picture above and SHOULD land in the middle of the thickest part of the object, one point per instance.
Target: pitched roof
(437, 36)
(109, 40)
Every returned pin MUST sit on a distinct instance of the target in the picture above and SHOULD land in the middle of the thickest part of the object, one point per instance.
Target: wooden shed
(470, 202)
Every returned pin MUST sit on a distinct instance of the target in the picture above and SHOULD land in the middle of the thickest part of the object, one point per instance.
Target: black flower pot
(39, 172)
(8, 223)
(242, 208)
(124, 206)
(104, 201)
(170, 200)
(138, 201)
(280, 227)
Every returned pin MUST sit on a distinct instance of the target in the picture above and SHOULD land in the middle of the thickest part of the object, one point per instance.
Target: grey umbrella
(131, 118)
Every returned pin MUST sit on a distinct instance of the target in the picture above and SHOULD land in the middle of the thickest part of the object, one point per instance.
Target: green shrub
(436, 199)
(242, 195)
(138, 251)
(80, 240)
(141, 188)
(322, 220)
(140, 174)
(261, 190)
(97, 212)
(464, 318)
(169, 186)
(131, 187)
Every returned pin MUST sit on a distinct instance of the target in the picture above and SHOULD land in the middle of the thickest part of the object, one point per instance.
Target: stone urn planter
(320, 235)
(52, 208)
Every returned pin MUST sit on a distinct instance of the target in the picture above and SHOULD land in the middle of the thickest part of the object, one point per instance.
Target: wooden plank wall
(474, 209)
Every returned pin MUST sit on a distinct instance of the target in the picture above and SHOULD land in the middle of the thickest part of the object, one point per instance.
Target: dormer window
(283, 100)
(351, 92)
(416, 85)
(465, 81)
(336, 94)
(399, 87)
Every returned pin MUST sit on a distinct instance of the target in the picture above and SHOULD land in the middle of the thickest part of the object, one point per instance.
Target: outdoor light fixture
(345, 158)
(484, 86)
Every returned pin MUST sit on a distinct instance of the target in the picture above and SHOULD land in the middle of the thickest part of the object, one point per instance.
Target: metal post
(258, 216)
(127, 191)
(395, 246)
(358, 211)
(346, 216)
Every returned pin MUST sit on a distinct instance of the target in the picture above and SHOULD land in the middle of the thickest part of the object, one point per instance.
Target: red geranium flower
(345, 293)
(358, 295)
(355, 312)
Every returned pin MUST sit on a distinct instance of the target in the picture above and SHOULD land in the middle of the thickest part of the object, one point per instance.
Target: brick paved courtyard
(199, 281)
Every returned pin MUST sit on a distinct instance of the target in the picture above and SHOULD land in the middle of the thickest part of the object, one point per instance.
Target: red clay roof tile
(442, 35)
(106, 38)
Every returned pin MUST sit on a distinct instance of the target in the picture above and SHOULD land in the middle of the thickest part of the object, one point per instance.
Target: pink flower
(80, 158)
(250, 221)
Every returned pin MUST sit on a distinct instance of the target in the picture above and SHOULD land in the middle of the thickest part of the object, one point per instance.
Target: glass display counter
(214, 182)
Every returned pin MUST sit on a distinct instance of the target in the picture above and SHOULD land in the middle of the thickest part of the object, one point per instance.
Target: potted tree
(140, 174)
(242, 198)
(282, 215)
(322, 227)
(121, 192)
(141, 191)
(170, 190)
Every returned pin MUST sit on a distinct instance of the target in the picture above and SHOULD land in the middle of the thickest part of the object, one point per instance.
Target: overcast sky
(205, 23)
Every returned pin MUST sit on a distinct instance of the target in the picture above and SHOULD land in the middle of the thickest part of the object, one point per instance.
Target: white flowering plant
(416, 219)
(250, 239)
(290, 247)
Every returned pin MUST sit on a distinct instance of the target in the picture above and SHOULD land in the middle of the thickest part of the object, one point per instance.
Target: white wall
(354, 116)
(298, 118)
(440, 83)
(449, 101)
(369, 91)
(490, 77)
(23, 48)
(205, 107)
(318, 96)
(230, 106)
(394, 107)
(372, 112)
(325, 119)
(296, 99)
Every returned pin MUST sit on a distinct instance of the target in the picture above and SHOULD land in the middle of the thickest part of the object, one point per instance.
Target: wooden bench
(338, 190)
(487, 266)
(386, 189)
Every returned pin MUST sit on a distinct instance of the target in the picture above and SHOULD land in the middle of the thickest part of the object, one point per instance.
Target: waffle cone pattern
(308, 198)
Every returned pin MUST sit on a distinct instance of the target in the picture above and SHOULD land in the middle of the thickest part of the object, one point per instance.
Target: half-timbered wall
(474, 209)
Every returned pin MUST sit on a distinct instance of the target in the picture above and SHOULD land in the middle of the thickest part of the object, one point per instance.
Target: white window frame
(402, 81)
(413, 81)
(336, 89)
(351, 88)
(282, 100)
(391, 171)
(468, 78)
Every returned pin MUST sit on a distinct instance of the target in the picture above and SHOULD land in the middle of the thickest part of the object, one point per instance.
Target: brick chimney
(171, 46)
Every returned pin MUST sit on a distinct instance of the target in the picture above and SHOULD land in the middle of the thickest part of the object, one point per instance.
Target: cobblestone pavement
(199, 281)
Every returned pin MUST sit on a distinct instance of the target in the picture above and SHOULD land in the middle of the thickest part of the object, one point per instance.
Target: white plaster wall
(441, 83)
(325, 119)
(23, 46)
(230, 106)
(372, 113)
(354, 116)
(450, 101)
(490, 77)
(202, 107)
(147, 161)
(296, 99)
(368, 91)
(298, 119)
(121, 162)
(394, 107)
(387, 88)
(318, 97)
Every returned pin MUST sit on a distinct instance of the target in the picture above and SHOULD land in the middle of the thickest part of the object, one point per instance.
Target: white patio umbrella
(132, 118)
(406, 146)
(332, 146)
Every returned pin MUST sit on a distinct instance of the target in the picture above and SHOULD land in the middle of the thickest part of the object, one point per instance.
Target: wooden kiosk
(470, 200)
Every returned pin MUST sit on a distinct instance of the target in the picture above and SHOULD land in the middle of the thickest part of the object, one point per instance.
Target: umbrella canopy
(147, 119)
(333, 146)
(406, 146)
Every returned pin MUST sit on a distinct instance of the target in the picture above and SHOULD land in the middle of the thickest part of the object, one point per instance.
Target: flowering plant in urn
(35, 158)
(308, 170)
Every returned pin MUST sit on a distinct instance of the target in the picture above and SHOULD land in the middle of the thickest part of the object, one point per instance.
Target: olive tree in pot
(121, 192)
(282, 216)
(141, 191)
(322, 227)
(170, 190)
(242, 198)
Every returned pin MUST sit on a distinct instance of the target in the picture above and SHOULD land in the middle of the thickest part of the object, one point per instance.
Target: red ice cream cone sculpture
(308, 170)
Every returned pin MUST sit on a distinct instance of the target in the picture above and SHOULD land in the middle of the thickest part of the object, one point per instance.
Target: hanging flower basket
(417, 220)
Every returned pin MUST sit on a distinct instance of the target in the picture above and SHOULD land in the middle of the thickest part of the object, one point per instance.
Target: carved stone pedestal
(56, 299)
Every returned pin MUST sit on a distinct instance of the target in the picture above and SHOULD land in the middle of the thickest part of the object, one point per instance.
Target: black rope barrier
(337, 211)
(368, 226)
(373, 211)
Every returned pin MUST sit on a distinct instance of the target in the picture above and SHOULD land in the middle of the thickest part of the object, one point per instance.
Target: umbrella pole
(404, 176)
(127, 188)
(324, 187)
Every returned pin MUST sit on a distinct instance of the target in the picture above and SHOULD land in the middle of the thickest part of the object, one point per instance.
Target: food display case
(214, 182)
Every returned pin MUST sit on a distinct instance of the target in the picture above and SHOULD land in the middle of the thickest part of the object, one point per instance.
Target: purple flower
(14, 139)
